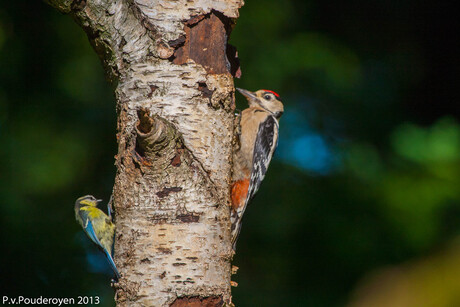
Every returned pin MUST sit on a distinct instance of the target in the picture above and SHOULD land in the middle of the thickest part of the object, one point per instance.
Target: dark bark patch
(206, 42)
(145, 260)
(153, 88)
(149, 26)
(188, 282)
(175, 43)
(164, 250)
(176, 161)
(166, 191)
(179, 264)
(198, 301)
(194, 259)
(78, 5)
(188, 218)
(163, 275)
(205, 91)
(123, 43)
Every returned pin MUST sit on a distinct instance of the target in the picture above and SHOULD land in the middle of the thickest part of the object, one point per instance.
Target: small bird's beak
(98, 200)
(249, 95)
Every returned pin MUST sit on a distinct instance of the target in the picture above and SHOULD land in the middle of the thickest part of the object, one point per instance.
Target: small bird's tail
(112, 264)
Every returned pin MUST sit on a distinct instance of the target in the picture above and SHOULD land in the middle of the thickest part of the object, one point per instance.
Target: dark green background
(367, 172)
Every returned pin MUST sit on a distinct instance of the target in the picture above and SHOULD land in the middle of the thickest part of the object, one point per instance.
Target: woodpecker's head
(265, 99)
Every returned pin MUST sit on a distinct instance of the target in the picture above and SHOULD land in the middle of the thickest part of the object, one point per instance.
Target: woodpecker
(258, 141)
(97, 225)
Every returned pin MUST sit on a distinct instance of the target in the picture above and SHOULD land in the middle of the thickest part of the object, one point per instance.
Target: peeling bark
(173, 72)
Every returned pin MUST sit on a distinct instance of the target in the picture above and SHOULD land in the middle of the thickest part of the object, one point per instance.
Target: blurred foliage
(366, 175)
(434, 281)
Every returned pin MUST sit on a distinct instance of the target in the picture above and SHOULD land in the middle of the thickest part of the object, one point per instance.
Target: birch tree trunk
(172, 70)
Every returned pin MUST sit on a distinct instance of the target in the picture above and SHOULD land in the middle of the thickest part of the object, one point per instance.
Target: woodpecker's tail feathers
(236, 228)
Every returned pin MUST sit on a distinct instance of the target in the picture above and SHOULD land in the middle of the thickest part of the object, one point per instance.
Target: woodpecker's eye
(267, 97)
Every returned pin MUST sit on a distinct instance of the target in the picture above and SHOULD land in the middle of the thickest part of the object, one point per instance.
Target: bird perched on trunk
(258, 140)
(97, 225)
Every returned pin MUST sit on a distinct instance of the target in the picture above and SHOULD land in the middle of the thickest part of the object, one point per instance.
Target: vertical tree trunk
(174, 89)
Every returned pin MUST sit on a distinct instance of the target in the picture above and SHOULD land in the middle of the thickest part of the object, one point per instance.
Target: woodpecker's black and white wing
(265, 146)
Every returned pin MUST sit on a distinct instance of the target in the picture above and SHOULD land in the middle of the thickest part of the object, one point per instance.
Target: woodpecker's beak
(98, 200)
(249, 95)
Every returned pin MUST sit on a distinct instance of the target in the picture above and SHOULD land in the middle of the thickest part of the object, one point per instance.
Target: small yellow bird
(97, 225)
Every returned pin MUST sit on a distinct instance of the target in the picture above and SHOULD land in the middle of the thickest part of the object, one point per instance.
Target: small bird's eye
(267, 97)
